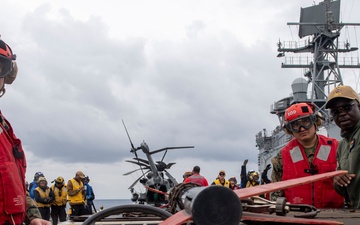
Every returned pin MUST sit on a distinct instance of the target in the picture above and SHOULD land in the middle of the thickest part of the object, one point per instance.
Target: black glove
(267, 167)
(245, 162)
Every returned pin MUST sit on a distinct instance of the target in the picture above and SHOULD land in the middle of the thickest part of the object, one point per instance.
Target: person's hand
(343, 180)
(38, 221)
(268, 167)
(245, 162)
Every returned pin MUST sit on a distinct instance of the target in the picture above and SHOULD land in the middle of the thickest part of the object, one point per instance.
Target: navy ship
(319, 32)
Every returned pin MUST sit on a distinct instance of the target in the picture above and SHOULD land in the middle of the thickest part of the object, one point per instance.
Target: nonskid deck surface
(340, 215)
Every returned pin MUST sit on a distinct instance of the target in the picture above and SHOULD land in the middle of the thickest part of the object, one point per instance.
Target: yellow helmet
(59, 179)
(254, 176)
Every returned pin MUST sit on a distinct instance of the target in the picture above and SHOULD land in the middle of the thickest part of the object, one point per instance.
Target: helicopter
(155, 177)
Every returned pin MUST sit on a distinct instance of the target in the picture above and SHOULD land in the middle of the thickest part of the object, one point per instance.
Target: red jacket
(198, 179)
(296, 164)
(12, 179)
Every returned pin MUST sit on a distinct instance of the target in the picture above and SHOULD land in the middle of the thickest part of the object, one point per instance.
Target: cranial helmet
(298, 111)
(59, 179)
(253, 176)
(42, 179)
(301, 115)
(38, 174)
(8, 67)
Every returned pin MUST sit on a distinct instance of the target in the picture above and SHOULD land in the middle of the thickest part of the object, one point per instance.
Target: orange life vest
(12, 179)
(296, 164)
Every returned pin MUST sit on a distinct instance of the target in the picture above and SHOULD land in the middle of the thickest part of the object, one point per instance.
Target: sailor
(186, 175)
(33, 184)
(307, 154)
(250, 178)
(90, 196)
(253, 179)
(76, 194)
(343, 103)
(58, 206)
(233, 183)
(197, 178)
(16, 205)
(44, 197)
(220, 180)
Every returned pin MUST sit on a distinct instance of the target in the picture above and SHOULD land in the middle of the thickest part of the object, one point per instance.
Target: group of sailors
(309, 153)
(51, 201)
(248, 178)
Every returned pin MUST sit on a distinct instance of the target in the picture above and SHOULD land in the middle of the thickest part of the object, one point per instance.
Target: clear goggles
(305, 122)
(6, 66)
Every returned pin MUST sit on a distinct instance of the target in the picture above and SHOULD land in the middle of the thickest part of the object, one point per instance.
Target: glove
(267, 167)
(245, 162)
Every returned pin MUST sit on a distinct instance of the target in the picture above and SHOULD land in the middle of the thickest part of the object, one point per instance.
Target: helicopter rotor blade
(133, 149)
(137, 163)
(130, 172)
(169, 165)
(169, 148)
(137, 180)
(142, 160)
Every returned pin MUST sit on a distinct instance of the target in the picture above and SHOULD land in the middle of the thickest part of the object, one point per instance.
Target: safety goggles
(305, 122)
(345, 108)
(6, 66)
(222, 174)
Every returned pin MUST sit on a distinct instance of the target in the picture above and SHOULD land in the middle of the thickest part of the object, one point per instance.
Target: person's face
(305, 135)
(346, 113)
(232, 183)
(42, 183)
(221, 176)
(78, 178)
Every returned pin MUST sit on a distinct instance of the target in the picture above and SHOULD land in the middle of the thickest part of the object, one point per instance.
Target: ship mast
(321, 24)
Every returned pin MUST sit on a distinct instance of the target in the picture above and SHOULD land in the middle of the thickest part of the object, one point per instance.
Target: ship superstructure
(319, 30)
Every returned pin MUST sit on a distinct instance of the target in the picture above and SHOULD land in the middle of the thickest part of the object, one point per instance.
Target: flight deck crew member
(307, 154)
(43, 196)
(343, 103)
(16, 204)
(76, 194)
(197, 178)
(58, 206)
(220, 180)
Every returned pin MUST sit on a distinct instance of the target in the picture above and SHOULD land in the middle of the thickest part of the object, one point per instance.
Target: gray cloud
(210, 89)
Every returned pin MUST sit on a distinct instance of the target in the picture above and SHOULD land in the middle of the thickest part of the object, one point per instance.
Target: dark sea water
(107, 203)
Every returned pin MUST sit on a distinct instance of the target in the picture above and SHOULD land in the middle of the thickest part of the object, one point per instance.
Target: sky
(178, 73)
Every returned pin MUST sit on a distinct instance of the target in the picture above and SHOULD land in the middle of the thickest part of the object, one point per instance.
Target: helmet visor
(5, 66)
(305, 122)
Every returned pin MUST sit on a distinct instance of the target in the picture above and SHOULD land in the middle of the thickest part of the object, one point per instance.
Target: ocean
(107, 203)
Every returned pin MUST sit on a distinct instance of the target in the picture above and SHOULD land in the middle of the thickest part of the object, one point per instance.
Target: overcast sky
(179, 73)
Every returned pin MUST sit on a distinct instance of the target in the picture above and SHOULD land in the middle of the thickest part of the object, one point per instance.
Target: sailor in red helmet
(307, 154)
(15, 205)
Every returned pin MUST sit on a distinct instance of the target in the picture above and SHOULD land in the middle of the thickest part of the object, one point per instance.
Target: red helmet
(6, 59)
(297, 111)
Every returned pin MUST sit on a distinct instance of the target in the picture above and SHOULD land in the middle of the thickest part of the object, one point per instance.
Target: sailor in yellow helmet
(253, 179)
(220, 180)
(76, 195)
(58, 211)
